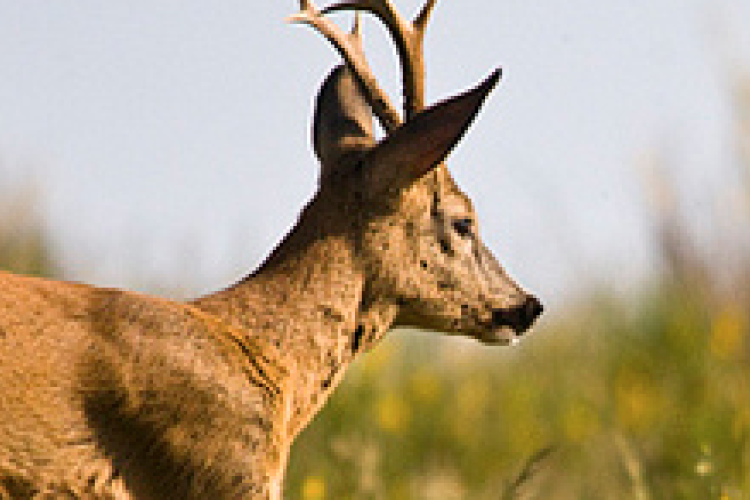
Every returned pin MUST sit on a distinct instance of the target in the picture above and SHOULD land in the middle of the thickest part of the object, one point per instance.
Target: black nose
(519, 318)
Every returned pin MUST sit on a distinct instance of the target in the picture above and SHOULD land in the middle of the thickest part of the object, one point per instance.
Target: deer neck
(312, 299)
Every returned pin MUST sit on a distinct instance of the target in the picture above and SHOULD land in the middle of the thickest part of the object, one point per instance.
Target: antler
(349, 45)
(408, 37)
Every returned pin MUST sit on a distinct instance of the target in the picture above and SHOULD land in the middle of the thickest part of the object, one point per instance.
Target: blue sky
(172, 138)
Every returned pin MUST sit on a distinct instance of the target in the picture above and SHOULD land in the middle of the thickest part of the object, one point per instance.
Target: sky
(170, 140)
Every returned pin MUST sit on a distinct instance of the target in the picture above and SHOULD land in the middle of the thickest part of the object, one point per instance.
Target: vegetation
(24, 239)
(641, 400)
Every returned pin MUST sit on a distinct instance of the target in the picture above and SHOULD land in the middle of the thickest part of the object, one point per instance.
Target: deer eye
(464, 227)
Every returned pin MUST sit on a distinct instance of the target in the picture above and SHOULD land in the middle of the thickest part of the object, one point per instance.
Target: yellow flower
(728, 333)
(425, 386)
(313, 488)
(393, 413)
(637, 400)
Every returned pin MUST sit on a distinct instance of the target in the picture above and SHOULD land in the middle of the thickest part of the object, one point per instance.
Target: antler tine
(420, 22)
(350, 48)
(408, 37)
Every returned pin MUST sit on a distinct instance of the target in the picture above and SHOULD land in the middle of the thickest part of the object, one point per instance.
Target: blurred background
(611, 171)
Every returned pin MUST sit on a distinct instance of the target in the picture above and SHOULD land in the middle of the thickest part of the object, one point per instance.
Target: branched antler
(349, 45)
(408, 37)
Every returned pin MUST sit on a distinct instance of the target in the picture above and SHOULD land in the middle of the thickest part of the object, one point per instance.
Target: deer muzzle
(510, 323)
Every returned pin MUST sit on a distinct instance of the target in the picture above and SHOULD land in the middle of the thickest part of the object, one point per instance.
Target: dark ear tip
(491, 81)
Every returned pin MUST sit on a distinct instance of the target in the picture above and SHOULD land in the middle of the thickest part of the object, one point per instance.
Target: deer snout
(519, 318)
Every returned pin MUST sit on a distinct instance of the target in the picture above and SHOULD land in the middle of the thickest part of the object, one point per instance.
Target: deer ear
(343, 121)
(423, 142)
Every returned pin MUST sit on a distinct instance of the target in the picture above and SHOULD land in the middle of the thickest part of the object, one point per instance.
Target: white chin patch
(504, 336)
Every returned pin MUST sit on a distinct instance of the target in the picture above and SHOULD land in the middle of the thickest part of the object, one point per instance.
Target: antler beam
(408, 37)
(349, 45)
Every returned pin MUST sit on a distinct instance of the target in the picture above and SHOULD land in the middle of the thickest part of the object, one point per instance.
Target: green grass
(625, 399)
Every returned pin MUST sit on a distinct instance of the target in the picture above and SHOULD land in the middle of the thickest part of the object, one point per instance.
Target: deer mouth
(503, 336)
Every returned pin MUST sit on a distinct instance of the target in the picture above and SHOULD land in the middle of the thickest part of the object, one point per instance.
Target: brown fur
(115, 395)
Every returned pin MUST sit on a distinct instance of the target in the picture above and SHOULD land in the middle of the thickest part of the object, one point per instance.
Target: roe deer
(115, 395)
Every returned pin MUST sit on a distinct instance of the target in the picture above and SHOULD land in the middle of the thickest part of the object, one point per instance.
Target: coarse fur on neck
(315, 297)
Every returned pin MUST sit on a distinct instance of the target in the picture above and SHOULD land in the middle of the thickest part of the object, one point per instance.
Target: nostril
(532, 309)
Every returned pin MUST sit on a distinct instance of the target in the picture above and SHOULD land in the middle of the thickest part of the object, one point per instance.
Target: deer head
(417, 233)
